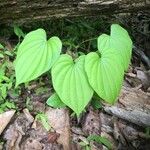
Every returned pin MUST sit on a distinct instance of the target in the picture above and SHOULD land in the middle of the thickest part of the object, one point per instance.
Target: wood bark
(20, 11)
(133, 106)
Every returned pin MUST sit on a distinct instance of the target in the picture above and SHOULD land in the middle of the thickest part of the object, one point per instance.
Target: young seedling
(44, 120)
(75, 81)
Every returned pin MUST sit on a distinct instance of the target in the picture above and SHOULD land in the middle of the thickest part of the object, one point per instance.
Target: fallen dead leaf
(29, 117)
(92, 124)
(59, 121)
(31, 144)
(5, 119)
(14, 133)
(52, 137)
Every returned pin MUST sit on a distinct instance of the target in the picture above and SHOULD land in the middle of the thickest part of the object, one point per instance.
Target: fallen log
(133, 106)
(21, 11)
(134, 116)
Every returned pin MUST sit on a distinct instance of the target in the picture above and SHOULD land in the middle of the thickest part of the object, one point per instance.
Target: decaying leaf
(5, 119)
(59, 120)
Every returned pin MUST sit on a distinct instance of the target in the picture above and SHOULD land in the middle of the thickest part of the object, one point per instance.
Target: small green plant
(20, 34)
(6, 73)
(76, 79)
(7, 80)
(28, 104)
(100, 140)
(85, 143)
(44, 120)
(1, 46)
(7, 105)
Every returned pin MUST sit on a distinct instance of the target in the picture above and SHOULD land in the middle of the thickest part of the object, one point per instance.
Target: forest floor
(27, 123)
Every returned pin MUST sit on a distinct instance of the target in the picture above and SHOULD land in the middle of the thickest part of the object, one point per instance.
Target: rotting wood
(133, 106)
(21, 11)
(134, 116)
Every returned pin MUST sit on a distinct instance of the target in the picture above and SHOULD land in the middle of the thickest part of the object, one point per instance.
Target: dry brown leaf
(5, 119)
(59, 120)
(92, 124)
(31, 144)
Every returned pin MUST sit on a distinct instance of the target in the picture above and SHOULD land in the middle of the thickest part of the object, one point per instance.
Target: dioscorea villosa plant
(75, 80)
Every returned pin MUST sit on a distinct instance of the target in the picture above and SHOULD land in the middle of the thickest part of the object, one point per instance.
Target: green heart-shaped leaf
(105, 74)
(36, 55)
(119, 41)
(70, 82)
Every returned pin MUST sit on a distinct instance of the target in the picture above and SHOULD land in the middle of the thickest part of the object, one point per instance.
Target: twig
(144, 58)
(135, 116)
